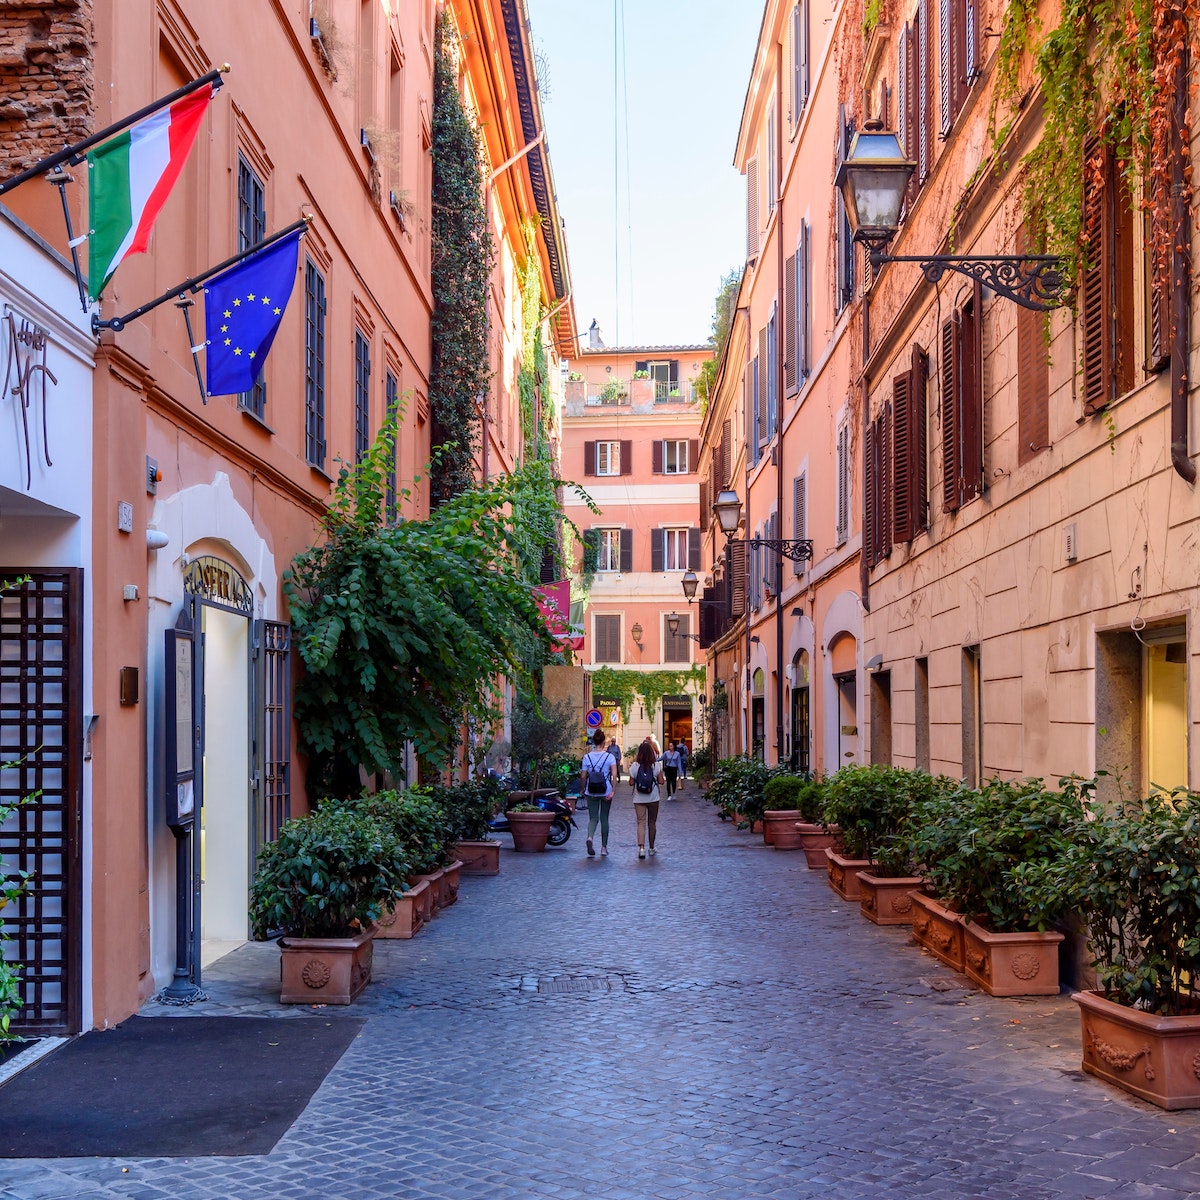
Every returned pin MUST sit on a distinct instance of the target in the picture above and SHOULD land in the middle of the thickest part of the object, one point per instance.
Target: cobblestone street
(710, 1023)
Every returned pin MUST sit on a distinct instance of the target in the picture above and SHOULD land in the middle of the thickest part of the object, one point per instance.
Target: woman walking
(670, 768)
(599, 774)
(644, 777)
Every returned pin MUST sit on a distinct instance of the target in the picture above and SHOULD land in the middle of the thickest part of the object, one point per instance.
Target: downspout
(1181, 274)
(484, 413)
(747, 709)
(780, 390)
(864, 571)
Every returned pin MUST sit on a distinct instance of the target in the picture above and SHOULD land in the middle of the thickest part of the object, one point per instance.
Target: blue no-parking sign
(594, 718)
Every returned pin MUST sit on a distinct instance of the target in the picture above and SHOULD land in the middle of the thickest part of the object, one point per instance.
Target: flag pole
(116, 324)
(184, 303)
(60, 179)
(73, 154)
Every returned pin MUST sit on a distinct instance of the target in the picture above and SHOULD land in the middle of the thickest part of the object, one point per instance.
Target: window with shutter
(737, 577)
(770, 152)
(656, 457)
(949, 379)
(693, 549)
(761, 371)
(799, 59)
(799, 514)
(876, 516)
(692, 462)
(752, 218)
(870, 493)
(918, 429)
(846, 255)
(589, 458)
(908, 459)
(1033, 374)
(626, 551)
(843, 484)
(705, 511)
(962, 404)
(677, 645)
(657, 538)
(804, 303)
(607, 639)
(791, 318)
(772, 376)
(924, 93)
(626, 457)
(722, 481)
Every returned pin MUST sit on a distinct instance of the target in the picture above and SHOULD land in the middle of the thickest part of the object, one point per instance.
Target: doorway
(677, 724)
(847, 702)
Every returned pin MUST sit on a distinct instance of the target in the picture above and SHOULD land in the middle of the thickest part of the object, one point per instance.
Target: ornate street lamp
(729, 516)
(636, 633)
(673, 628)
(872, 179)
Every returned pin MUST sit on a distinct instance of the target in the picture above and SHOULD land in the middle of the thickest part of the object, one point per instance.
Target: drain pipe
(1181, 274)
(780, 391)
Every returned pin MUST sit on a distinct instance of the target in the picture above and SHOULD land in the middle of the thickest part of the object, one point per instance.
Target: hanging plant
(626, 686)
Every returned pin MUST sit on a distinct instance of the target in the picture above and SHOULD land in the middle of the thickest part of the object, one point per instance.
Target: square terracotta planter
(450, 875)
(779, 829)
(408, 913)
(324, 970)
(843, 874)
(939, 930)
(1011, 964)
(887, 901)
(1154, 1058)
(478, 858)
(434, 879)
(814, 841)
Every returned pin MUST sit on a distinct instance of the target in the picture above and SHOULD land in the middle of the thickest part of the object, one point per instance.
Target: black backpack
(643, 781)
(597, 777)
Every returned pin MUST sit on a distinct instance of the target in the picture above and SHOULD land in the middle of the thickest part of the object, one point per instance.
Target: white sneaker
(653, 852)
(641, 852)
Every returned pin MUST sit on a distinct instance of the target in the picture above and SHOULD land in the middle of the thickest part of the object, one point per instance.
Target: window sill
(319, 470)
(255, 419)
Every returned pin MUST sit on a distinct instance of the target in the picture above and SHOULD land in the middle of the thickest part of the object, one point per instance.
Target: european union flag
(242, 310)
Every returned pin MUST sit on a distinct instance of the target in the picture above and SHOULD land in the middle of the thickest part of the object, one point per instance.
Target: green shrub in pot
(872, 806)
(737, 786)
(327, 875)
(804, 793)
(468, 806)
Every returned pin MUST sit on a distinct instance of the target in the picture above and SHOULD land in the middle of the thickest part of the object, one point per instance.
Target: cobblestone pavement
(709, 1024)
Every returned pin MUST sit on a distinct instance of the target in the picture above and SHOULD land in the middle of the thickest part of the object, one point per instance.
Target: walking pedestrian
(670, 769)
(614, 748)
(683, 758)
(644, 777)
(599, 774)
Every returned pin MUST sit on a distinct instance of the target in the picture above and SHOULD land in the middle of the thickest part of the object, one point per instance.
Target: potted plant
(1130, 871)
(783, 797)
(976, 846)
(322, 884)
(736, 788)
(530, 826)
(468, 806)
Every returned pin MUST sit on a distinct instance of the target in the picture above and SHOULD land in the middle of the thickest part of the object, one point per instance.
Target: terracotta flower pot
(843, 874)
(814, 841)
(325, 970)
(779, 829)
(434, 879)
(530, 830)
(450, 875)
(407, 915)
(1011, 964)
(424, 896)
(939, 930)
(887, 901)
(479, 858)
(1155, 1058)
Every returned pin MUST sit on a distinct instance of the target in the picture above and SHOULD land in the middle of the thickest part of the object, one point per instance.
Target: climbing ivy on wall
(461, 269)
(625, 686)
(533, 359)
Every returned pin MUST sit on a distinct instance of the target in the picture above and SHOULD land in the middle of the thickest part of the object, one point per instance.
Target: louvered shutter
(870, 494)
(752, 219)
(761, 369)
(945, 65)
(971, 391)
(591, 549)
(884, 477)
(694, 549)
(737, 577)
(773, 374)
(705, 512)
(656, 549)
(802, 67)
(626, 457)
(902, 506)
(924, 93)
(751, 390)
(799, 514)
(950, 424)
(843, 484)
(1033, 374)
(656, 456)
(673, 372)
(722, 482)
(918, 440)
(589, 458)
(904, 90)
(626, 551)
(804, 303)
(791, 317)
(693, 462)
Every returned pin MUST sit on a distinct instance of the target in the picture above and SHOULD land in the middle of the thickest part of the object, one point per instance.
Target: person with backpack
(644, 777)
(683, 758)
(614, 748)
(670, 768)
(599, 775)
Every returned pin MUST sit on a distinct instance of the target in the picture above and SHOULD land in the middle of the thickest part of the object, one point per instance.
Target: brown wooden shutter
(589, 458)
(902, 498)
(971, 397)
(1033, 374)
(656, 549)
(923, 29)
(918, 441)
(626, 551)
(656, 456)
(626, 458)
(694, 549)
(1092, 306)
(799, 514)
(693, 456)
(591, 549)
(790, 324)
(843, 484)
(722, 481)
(705, 505)
(884, 478)
(945, 63)
(737, 577)
(870, 491)
(804, 289)
(949, 380)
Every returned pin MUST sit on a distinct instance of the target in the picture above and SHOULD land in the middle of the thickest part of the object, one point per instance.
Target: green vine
(460, 273)
(625, 686)
(532, 353)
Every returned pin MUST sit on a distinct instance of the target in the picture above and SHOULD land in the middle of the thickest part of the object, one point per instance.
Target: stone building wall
(47, 79)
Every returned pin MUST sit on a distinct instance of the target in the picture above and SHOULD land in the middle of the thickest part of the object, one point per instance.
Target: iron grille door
(41, 736)
(271, 778)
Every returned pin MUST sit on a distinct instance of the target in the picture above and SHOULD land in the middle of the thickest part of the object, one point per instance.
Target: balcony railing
(673, 393)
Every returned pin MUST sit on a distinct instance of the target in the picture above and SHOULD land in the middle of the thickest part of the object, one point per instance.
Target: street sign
(594, 718)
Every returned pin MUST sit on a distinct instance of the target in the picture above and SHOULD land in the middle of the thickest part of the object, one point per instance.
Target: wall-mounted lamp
(636, 633)
(156, 539)
(873, 178)
(673, 628)
(754, 638)
(728, 509)
(874, 662)
(797, 612)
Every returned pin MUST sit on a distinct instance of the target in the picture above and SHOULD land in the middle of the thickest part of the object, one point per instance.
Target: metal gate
(41, 736)
(271, 704)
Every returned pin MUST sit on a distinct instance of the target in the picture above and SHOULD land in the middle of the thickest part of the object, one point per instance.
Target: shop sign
(215, 580)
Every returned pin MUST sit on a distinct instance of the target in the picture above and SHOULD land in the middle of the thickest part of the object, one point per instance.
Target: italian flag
(129, 179)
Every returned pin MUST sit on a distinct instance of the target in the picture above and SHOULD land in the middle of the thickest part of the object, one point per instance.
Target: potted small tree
(468, 807)
(1131, 872)
(783, 798)
(321, 885)
(736, 788)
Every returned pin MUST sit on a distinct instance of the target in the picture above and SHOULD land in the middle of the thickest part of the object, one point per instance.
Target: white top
(642, 797)
(599, 759)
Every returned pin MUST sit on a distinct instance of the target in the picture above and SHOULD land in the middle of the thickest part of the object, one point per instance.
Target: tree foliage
(402, 628)
(461, 268)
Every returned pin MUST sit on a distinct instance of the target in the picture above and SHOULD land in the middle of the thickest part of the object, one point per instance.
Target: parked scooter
(560, 831)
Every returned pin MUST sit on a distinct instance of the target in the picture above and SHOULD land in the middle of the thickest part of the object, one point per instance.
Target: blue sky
(679, 224)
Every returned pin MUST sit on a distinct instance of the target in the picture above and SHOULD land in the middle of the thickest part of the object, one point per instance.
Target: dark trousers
(671, 774)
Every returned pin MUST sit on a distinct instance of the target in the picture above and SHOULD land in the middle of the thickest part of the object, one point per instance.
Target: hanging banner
(554, 603)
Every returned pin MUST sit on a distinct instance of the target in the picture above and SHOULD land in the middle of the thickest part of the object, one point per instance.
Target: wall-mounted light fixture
(874, 662)
(673, 628)
(728, 508)
(636, 633)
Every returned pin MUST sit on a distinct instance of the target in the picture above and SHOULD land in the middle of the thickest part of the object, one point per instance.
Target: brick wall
(47, 78)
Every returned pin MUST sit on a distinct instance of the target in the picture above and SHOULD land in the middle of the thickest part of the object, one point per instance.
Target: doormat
(169, 1087)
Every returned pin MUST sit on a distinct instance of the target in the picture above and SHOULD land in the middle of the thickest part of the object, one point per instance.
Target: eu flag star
(251, 296)
(266, 299)
(228, 341)
(277, 311)
(224, 328)
(237, 349)
(252, 354)
(227, 313)
(237, 304)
